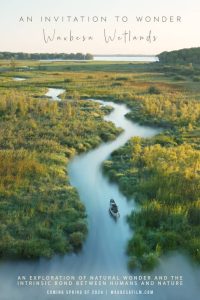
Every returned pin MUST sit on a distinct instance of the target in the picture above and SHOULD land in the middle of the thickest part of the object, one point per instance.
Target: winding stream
(104, 250)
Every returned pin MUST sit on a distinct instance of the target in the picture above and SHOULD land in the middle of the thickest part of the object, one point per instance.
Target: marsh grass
(45, 216)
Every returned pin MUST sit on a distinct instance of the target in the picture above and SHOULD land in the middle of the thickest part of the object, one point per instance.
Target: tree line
(41, 56)
(182, 56)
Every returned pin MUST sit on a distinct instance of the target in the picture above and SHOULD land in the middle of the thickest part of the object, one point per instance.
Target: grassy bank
(165, 181)
(41, 214)
(163, 174)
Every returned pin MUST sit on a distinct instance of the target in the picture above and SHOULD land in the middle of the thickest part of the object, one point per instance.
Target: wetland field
(74, 134)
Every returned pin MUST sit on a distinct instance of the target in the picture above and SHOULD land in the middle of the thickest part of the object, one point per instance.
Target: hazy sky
(30, 36)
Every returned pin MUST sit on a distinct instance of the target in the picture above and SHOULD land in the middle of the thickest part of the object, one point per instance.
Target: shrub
(117, 84)
(179, 78)
(76, 240)
(149, 261)
(153, 90)
(121, 78)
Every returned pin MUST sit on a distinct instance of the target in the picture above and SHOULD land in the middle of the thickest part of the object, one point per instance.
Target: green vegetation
(166, 109)
(182, 56)
(166, 182)
(41, 214)
(163, 174)
(153, 90)
(38, 137)
(38, 56)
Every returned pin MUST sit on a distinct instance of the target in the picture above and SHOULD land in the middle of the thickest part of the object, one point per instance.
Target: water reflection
(53, 93)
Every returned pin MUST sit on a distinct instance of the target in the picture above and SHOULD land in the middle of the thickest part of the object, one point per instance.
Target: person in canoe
(114, 211)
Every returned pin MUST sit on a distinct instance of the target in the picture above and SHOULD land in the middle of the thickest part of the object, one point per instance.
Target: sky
(74, 35)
